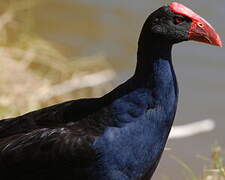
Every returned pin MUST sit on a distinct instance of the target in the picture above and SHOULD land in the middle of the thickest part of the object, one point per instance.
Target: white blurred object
(192, 129)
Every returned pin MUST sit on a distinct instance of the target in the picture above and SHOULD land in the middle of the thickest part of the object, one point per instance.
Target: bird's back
(51, 143)
(54, 116)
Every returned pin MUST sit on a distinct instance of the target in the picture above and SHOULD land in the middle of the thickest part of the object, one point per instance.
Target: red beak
(200, 29)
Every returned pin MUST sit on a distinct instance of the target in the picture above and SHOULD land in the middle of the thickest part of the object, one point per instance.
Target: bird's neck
(150, 50)
(153, 84)
(155, 69)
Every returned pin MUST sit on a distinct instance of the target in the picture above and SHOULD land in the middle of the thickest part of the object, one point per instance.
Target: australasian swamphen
(120, 136)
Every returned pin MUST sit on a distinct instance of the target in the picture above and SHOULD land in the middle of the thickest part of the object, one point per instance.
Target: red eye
(178, 20)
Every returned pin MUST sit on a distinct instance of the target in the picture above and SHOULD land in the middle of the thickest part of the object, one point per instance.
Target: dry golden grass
(33, 73)
(215, 169)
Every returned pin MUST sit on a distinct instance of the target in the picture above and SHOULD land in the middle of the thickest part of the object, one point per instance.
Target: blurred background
(53, 50)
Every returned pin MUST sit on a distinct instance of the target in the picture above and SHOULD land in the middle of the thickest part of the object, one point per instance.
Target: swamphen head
(175, 23)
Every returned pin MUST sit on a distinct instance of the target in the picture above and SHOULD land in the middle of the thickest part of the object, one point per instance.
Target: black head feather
(167, 26)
